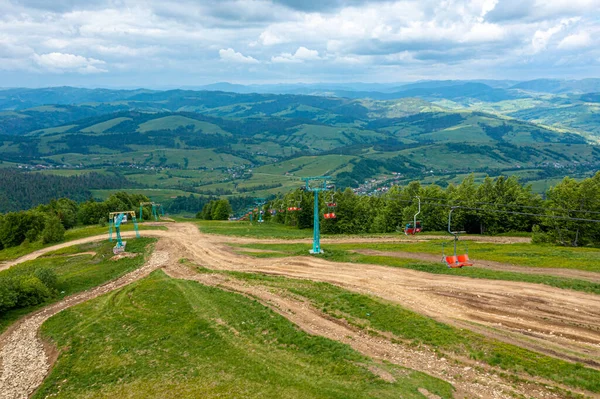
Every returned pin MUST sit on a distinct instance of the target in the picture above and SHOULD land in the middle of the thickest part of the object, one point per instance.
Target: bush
(8, 294)
(32, 291)
(54, 230)
(46, 276)
(18, 226)
(540, 237)
(29, 289)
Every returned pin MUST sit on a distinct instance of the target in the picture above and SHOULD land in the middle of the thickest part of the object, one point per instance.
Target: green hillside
(219, 143)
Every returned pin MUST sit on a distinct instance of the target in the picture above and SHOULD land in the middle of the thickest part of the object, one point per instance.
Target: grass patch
(70, 235)
(520, 254)
(162, 337)
(334, 254)
(252, 229)
(79, 273)
(366, 311)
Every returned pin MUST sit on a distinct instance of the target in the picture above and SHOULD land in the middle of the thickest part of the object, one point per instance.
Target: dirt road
(550, 320)
(554, 321)
(488, 264)
(474, 382)
(561, 323)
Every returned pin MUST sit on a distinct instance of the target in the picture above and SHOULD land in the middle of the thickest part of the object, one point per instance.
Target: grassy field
(532, 255)
(173, 122)
(307, 166)
(162, 337)
(79, 273)
(371, 312)
(70, 235)
(519, 254)
(345, 255)
(252, 229)
(101, 127)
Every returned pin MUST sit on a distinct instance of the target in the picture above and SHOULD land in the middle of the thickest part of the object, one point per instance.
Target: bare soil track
(470, 382)
(557, 322)
(488, 264)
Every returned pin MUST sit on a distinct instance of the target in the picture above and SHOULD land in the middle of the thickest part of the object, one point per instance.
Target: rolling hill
(224, 143)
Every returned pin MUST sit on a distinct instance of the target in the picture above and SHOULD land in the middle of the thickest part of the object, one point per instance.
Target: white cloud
(372, 39)
(231, 55)
(541, 38)
(305, 54)
(301, 55)
(576, 41)
(61, 62)
(269, 38)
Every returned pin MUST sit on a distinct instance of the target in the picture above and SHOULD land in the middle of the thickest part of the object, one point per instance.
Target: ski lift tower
(115, 219)
(260, 203)
(319, 184)
(155, 208)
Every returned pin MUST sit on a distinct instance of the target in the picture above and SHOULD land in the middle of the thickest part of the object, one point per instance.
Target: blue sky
(162, 43)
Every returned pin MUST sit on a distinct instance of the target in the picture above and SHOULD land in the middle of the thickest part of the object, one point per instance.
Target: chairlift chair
(331, 205)
(414, 227)
(455, 261)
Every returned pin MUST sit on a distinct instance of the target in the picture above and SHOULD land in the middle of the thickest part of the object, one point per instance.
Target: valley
(183, 142)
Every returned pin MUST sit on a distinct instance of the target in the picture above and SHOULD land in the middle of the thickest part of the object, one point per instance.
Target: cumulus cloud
(231, 55)
(576, 41)
(61, 62)
(301, 55)
(136, 41)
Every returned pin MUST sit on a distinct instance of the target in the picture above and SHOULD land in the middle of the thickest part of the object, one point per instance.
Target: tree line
(48, 222)
(216, 210)
(25, 190)
(495, 206)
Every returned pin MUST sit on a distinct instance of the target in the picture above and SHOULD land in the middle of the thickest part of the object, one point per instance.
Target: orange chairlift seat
(331, 206)
(455, 261)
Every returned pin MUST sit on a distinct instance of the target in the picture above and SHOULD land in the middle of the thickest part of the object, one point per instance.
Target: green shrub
(18, 290)
(46, 276)
(8, 294)
(32, 291)
(54, 230)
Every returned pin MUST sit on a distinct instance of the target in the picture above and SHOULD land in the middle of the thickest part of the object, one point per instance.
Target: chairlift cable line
(506, 205)
(514, 205)
(557, 217)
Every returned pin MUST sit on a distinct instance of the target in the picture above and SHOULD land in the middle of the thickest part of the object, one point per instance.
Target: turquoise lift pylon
(114, 221)
(155, 208)
(316, 249)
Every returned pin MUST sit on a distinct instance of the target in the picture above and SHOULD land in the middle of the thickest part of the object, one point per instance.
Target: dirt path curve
(557, 322)
(474, 382)
(488, 264)
(23, 360)
(41, 252)
(562, 323)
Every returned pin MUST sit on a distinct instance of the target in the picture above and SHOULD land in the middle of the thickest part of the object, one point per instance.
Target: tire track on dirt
(474, 382)
(560, 323)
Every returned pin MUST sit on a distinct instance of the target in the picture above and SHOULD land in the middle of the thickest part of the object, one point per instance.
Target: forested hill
(257, 144)
(27, 190)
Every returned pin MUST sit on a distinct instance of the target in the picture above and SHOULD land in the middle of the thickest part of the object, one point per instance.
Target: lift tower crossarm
(322, 186)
